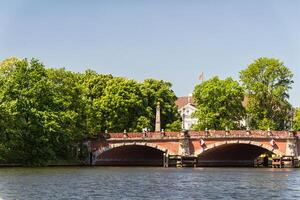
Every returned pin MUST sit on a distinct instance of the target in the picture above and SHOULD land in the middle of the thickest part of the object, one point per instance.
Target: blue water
(148, 183)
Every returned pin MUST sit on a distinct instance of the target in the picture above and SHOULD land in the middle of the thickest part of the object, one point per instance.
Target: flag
(201, 77)
(272, 142)
(202, 142)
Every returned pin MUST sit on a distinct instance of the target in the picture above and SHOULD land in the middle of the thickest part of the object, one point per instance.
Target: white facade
(186, 107)
(186, 115)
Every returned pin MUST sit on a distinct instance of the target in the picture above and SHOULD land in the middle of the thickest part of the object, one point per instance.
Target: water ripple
(149, 183)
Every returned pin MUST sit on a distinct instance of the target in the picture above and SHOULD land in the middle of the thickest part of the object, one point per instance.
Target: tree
(27, 100)
(122, 104)
(70, 108)
(93, 86)
(160, 91)
(297, 120)
(219, 104)
(267, 82)
(7, 67)
(4, 123)
(45, 113)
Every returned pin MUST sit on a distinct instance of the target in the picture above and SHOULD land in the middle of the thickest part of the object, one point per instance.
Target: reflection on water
(148, 183)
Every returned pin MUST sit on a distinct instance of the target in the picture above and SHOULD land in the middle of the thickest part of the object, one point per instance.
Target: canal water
(148, 183)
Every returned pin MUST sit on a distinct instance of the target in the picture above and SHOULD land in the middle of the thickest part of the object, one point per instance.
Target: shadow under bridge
(131, 155)
(239, 155)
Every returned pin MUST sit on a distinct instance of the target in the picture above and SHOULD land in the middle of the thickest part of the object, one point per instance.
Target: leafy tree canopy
(160, 91)
(297, 120)
(46, 113)
(267, 82)
(219, 104)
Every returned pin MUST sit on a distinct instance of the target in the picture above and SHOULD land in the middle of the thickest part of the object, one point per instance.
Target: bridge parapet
(142, 135)
(241, 133)
(206, 134)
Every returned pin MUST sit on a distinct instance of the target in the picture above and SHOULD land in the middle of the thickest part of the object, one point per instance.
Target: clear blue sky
(170, 40)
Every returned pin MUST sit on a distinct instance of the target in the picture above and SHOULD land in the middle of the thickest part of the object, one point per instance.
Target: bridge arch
(254, 143)
(136, 153)
(152, 145)
(233, 153)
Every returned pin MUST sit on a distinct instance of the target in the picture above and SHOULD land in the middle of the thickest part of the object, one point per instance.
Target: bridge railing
(144, 135)
(241, 133)
(211, 133)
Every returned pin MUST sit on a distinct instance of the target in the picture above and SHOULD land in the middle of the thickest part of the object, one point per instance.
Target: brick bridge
(204, 148)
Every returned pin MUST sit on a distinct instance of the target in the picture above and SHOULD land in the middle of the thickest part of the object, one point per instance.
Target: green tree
(70, 108)
(122, 105)
(46, 113)
(93, 86)
(219, 104)
(267, 82)
(27, 98)
(7, 67)
(4, 123)
(160, 91)
(296, 125)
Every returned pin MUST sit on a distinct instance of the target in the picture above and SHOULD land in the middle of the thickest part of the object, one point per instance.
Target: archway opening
(131, 155)
(235, 155)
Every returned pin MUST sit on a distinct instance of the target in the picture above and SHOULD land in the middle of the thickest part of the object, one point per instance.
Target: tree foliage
(219, 104)
(93, 85)
(267, 82)
(160, 91)
(27, 99)
(296, 125)
(122, 104)
(46, 113)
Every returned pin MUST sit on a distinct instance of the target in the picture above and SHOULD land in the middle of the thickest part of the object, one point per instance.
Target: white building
(186, 107)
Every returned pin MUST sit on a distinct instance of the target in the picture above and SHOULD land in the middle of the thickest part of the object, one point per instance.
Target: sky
(171, 40)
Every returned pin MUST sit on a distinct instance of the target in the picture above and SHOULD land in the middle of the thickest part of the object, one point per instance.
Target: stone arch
(130, 153)
(254, 143)
(116, 145)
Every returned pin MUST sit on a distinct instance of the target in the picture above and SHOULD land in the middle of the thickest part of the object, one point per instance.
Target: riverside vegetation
(45, 113)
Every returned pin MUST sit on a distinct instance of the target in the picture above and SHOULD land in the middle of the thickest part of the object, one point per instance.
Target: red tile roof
(182, 101)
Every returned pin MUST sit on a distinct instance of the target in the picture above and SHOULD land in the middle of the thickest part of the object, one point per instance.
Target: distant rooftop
(182, 101)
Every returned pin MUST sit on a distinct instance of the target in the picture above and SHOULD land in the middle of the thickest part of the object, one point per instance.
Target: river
(148, 183)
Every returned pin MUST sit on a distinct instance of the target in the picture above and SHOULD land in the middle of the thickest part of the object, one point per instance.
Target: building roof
(182, 101)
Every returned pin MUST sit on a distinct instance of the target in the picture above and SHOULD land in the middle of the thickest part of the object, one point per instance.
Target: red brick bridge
(204, 148)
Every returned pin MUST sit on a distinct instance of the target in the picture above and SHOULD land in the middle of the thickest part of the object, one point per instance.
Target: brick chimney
(157, 118)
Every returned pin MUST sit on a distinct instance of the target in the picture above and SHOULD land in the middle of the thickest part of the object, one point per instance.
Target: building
(186, 107)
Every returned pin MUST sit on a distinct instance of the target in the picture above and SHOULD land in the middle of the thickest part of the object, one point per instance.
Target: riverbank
(54, 163)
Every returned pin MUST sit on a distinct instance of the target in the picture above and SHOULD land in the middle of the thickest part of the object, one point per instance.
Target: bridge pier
(290, 159)
(291, 145)
(184, 157)
(181, 161)
(166, 160)
(184, 141)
